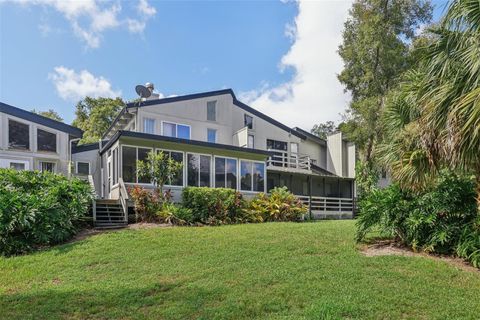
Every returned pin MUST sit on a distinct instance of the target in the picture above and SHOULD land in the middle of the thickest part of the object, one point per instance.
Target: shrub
(213, 206)
(280, 205)
(174, 214)
(441, 219)
(146, 204)
(39, 209)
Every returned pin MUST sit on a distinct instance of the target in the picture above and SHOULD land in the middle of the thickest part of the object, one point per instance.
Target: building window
(212, 135)
(17, 166)
(18, 135)
(250, 141)
(294, 147)
(142, 154)
(177, 179)
(149, 125)
(129, 165)
(212, 110)
(225, 173)
(176, 130)
(198, 170)
(83, 168)
(276, 145)
(252, 176)
(46, 141)
(248, 121)
(47, 166)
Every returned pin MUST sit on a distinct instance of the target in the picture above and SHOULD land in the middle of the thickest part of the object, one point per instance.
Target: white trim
(176, 129)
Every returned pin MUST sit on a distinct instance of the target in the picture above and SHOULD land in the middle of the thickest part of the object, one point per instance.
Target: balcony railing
(289, 160)
(328, 204)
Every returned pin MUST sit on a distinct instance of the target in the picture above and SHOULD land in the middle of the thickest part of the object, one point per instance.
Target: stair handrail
(94, 202)
(123, 198)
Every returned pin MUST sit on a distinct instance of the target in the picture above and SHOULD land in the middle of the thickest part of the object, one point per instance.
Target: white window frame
(236, 171)
(30, 142)
(183, 167)
(55, 165)
(49, 131)
(176, 129)
(89, 167)
(136, 158)
(239, 179)
(145, 119)
(5, 163)
(211, 167)
(214, 130)
(215, 109)
(244, 119)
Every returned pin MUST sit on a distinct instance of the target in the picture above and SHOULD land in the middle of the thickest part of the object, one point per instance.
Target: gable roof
(217, 93)
(44, 121)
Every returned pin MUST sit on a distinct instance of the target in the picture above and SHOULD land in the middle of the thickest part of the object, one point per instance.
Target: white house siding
(33, 156)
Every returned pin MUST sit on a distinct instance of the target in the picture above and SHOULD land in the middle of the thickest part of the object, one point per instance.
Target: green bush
(174, 214)
(280, 205)
(39, 209)
(440, 219)
(214, 206)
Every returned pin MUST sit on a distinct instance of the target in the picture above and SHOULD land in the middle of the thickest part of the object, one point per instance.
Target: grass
(263, 271)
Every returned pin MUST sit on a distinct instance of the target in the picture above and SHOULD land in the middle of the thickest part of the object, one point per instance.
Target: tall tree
(50, 113)
(324, 129)
(375, 51)
(95, 115)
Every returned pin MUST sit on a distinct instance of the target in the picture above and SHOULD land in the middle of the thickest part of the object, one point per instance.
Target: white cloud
(313, 94)
(89, 19)
(71, 85)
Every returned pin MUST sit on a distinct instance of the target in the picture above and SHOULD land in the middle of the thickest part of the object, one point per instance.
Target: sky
(280, 57)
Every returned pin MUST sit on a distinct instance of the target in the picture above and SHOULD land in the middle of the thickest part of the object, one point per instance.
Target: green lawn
(263, 271)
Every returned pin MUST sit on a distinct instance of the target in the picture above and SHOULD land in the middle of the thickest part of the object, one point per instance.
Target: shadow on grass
(167, 298)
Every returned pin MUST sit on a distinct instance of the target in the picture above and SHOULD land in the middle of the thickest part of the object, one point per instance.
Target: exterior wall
(335, 152)
(93, 158)
(33, 156)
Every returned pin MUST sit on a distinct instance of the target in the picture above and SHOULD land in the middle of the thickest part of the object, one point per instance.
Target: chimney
(153, 95)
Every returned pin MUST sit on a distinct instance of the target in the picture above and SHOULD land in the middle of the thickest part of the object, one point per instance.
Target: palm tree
(434, 118)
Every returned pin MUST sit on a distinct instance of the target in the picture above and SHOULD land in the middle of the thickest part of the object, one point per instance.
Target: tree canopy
(50, 113)
(95, 115)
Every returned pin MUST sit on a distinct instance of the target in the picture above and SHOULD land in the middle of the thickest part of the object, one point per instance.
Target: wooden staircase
(108, 214)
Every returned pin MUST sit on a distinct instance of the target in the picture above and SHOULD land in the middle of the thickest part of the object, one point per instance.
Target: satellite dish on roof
(143, 91)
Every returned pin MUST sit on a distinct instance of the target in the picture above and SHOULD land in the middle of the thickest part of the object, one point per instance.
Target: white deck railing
(289, 160)
(328, 203)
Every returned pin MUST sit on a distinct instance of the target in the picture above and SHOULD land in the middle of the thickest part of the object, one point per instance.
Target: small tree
(159, 168)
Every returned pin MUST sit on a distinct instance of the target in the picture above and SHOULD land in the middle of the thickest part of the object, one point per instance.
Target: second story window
(212, 110)
(248, 121)
(176, 130)
(46, 141)
(18, 135)
(149, 125)
(276, 145)
(212, 135)
(251, 141)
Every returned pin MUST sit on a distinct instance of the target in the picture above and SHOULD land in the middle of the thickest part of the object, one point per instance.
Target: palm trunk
(478, 191)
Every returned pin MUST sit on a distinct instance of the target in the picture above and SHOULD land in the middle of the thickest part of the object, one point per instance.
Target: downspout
(70, 157)
(102, 187)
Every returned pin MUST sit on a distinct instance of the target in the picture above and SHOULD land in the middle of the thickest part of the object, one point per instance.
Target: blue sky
(279, 57)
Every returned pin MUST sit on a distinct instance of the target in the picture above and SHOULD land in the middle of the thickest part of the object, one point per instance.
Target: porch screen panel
(219, 172)
(205, 171)
(231, 170)
(258, 177)
(246, 175)
(177, 179)
(46, 141)
(129, 166)
(193, 170)
(142, 156)
(18, 135)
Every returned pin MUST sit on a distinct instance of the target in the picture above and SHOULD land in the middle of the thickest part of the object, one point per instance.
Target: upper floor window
(276, 145)
(212, 135)
(250, 141)
(212, 110)
(248, 121)
(46, 141)
(18, 135)
(176, 130)
(149, 125)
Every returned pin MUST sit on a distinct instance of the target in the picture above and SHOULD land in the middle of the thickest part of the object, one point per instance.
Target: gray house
(221, 142)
